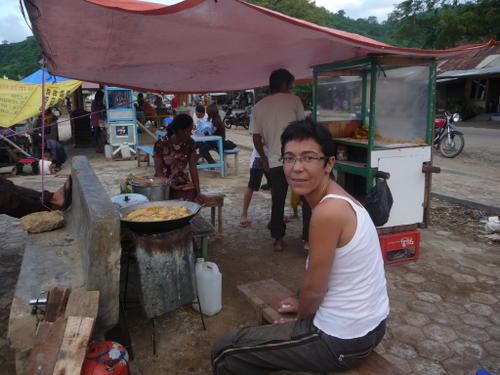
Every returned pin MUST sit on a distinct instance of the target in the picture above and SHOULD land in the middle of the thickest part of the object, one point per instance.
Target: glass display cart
(380, 112)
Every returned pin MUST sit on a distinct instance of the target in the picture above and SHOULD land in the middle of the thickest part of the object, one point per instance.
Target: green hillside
(17, 60)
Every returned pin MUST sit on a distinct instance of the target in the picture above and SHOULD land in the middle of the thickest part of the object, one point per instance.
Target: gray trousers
(292, 346)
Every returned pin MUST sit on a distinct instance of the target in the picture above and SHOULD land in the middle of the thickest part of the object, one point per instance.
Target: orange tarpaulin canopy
(193, 46)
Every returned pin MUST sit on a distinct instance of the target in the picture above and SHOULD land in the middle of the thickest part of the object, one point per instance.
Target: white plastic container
(108, 152)
(208, 287)
(44, 165)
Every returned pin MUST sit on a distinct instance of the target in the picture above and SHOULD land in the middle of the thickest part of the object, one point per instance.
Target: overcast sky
(13, 28)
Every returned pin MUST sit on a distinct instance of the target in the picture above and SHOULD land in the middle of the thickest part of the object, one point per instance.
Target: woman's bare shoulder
(332, 210)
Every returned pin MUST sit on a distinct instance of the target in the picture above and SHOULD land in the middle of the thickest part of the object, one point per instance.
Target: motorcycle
(237, 119)
(447, 139)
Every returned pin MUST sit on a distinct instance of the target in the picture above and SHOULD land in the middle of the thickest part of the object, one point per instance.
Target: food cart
(380, 112)
(121, 124)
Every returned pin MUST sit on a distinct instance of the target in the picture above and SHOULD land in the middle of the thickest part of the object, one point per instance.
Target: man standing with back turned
(270, 117)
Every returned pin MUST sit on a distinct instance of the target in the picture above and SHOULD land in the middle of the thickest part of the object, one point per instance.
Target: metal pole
(15, 146)
(43, 132)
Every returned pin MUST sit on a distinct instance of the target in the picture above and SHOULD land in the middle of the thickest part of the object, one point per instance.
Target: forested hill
(431, 24)
(17, 60)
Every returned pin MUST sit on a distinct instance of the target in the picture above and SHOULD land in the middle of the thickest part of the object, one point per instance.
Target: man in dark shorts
(256, 173)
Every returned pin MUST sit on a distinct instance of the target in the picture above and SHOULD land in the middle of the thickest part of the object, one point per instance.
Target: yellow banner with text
(20, 101)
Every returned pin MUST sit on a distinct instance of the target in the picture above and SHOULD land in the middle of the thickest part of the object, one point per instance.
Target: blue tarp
(37, 78)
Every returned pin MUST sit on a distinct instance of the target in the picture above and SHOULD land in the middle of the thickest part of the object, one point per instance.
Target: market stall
(380, 111)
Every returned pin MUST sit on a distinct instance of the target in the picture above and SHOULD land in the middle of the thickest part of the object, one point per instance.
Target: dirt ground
(245, 255)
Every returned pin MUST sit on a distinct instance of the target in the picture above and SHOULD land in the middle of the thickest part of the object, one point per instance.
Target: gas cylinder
(105, 358)
(208, 287)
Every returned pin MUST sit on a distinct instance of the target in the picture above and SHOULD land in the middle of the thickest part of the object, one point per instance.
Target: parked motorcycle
(237, 119)
(447, 139)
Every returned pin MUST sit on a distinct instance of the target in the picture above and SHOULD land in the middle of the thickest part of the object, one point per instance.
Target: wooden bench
(215, 200)
(265, 295)
(235, 152)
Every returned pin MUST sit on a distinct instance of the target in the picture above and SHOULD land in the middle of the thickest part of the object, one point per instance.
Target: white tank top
(356, 300)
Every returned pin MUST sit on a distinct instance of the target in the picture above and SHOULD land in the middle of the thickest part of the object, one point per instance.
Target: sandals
(245, 224)
(279, 246)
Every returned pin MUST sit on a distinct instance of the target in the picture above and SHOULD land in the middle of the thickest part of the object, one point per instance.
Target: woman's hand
(289, 305)
(159, 180)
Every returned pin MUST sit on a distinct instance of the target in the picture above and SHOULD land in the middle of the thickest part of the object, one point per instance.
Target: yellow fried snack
(158, 213)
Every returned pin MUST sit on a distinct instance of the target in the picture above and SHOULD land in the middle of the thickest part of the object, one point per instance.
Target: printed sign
(19, 101)
(121, 131)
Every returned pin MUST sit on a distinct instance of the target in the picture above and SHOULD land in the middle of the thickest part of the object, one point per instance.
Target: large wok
(150, 227)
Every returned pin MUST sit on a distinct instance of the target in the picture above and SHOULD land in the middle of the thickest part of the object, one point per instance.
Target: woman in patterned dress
(175, 159)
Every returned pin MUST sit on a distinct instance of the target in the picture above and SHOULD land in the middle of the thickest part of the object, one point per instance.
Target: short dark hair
(278, 78)
(308, 129)
(99, 95)
(200, 109)
(180, 122)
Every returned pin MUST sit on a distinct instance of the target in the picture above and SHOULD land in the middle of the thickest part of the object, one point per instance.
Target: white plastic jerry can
(208, 286)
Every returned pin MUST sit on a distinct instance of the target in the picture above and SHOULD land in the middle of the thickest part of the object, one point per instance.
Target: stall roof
(470, 72)
(36, 77)
(193, 46)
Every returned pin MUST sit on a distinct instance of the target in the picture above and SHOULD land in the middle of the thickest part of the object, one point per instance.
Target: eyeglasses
(290, 161)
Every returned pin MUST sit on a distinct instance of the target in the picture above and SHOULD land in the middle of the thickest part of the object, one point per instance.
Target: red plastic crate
(400, 247)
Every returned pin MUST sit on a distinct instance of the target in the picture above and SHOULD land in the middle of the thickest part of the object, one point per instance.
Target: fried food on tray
(158, 213)
(361, 133)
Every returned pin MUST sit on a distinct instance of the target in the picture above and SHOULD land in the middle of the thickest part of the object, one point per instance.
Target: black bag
(379, 201)
(229, 145)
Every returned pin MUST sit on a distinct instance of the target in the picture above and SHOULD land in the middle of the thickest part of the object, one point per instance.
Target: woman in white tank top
(343, 302)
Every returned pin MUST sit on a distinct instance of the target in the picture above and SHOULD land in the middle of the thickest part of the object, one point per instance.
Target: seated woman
(343, 302)
(220, 130)
(175, 159)
(56, 153)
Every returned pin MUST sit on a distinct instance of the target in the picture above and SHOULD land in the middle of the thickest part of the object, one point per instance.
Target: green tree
(445, 23)
(17, 60)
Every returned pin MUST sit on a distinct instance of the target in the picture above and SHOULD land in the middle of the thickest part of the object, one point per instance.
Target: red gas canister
(105, 358)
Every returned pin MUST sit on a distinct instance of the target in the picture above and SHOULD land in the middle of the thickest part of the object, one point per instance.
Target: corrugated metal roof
(469, 72)
(470, 60)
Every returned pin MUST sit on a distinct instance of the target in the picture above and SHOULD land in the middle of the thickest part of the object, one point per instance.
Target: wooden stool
(265, 295)
(215, 200)
(235, 152)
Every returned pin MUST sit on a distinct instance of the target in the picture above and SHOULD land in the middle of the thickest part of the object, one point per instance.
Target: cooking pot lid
(124, 200)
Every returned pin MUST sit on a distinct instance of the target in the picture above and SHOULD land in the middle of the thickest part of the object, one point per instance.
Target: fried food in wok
(158, 213)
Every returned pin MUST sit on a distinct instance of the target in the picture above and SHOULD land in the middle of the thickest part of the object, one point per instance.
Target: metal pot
(154, 191)
(150, 227)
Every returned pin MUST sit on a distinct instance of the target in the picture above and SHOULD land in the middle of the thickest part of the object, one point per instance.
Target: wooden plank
(56, 303)
(83, 303)
(74, 345)
(374, 364)
(43, 356)
(265, 296)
